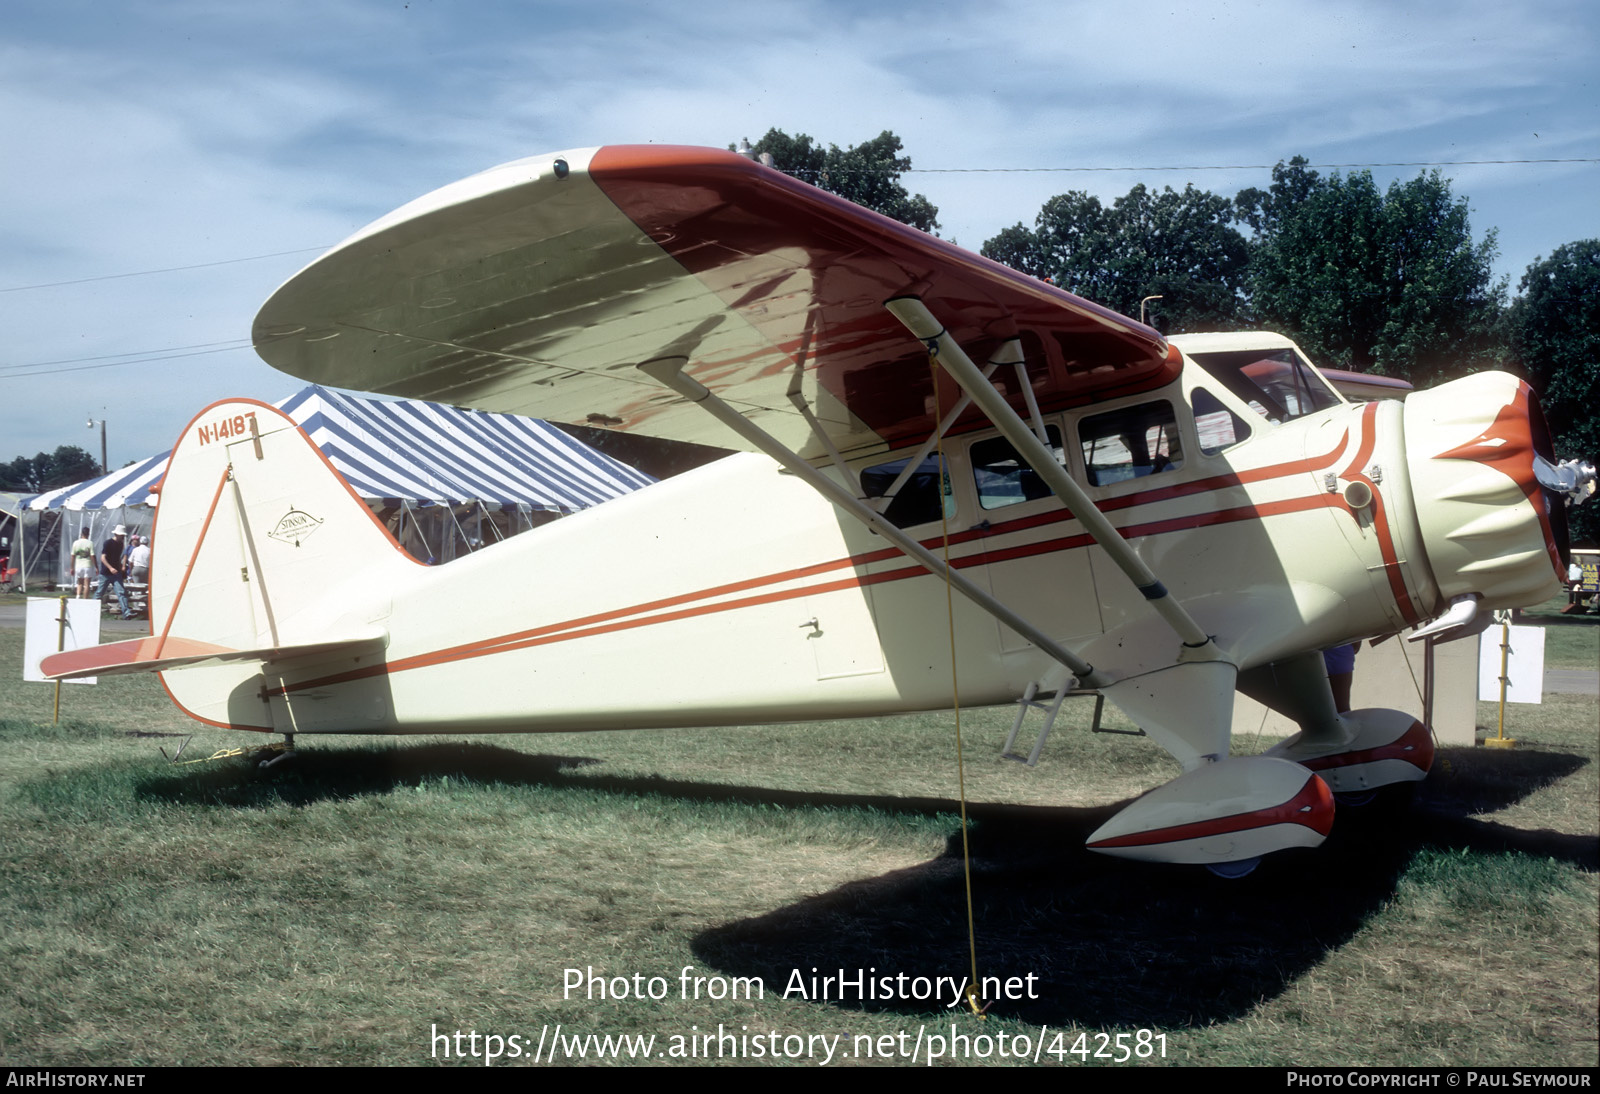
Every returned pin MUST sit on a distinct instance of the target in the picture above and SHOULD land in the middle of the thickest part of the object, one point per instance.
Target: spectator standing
(113, 571)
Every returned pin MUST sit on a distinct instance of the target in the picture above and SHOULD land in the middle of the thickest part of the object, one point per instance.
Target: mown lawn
(351, 904)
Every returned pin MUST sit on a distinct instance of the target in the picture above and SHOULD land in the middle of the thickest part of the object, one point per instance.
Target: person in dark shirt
(112, 571)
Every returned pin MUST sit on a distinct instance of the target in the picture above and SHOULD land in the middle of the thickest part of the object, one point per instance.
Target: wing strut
(912, 312)
(799, 400)
(1013, 347)
(1027, 392)
(669, 371)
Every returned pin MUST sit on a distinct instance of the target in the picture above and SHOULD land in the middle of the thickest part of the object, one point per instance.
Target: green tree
(1555, 325)
(1180, 246)
(1073, 245)
(1390, 282)
(1184, 247)
(46, 471)
(867, 173)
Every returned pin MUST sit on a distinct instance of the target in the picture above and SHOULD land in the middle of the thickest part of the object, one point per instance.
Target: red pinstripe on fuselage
(724, 597)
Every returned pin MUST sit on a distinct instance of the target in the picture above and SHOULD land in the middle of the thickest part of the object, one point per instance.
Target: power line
(164, 269)
(888, 169)
(112, 360)
(885, 169)
(231, 343)
(134, 361)
(1227, 166)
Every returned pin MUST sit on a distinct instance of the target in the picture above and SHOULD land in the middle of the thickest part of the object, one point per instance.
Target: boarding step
(1049, 702)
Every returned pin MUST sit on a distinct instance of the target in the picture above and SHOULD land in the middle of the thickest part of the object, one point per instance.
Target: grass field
(1570, 641)
(344, 907)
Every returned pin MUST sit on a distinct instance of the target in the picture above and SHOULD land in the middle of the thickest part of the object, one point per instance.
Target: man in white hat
(138, 560)
(112, 570)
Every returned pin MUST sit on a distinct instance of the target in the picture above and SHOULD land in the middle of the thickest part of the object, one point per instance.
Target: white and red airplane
(910, 415)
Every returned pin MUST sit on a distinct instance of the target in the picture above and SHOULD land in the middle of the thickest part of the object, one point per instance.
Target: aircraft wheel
(283, 756)
(1231, 870)
(1371, 809)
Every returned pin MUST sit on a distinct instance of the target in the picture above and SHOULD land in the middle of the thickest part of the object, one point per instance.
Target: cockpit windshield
(1277, 384)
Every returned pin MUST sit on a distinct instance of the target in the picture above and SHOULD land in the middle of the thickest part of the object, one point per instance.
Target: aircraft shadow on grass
(1115, 944)
(1112, 943)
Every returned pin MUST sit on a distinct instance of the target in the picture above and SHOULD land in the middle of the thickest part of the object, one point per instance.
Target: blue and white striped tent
(426, 453)
(444, 468)
(408, 450)
(126, 486)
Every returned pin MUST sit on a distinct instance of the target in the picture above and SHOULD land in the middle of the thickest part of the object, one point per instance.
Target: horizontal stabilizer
(158, 655)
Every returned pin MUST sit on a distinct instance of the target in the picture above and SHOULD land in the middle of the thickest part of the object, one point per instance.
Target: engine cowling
(1488, 527)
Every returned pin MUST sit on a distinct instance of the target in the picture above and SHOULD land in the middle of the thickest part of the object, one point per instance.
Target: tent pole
(416, 526)
(483, 512)
(451, 509)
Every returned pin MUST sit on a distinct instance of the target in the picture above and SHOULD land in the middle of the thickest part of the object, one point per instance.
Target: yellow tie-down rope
(955, 696)
(228, 753)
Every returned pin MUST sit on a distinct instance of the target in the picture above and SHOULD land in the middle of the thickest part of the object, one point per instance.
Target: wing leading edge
(535, 288)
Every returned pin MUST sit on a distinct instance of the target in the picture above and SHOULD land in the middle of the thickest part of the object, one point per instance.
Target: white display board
(43, 632)
(1524, 665)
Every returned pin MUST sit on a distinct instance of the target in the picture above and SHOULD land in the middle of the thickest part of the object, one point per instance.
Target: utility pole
(104, 468)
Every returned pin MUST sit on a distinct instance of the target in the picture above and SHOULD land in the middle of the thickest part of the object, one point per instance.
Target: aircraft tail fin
(261, 553)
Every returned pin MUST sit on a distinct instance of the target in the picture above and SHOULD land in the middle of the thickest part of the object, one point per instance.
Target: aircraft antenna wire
(955, 698)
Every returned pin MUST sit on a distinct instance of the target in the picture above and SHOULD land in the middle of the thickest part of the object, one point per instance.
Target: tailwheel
(1231, 870)
(277, 753)
(1355, 799)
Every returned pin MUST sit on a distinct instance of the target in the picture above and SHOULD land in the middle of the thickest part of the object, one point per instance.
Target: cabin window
(918, 500)
(1277, 384)
(1130, 443)
(1218, 427)
(1003, 478)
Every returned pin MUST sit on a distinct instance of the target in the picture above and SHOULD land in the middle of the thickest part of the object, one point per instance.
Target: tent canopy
(126, 486)
(444, 480)
(411, 451)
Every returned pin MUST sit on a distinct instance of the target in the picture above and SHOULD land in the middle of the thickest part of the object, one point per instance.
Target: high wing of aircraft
(538, 286)
(1113, 514)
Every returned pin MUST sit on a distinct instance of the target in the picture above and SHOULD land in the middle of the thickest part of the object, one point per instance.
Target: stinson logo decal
(295, 526)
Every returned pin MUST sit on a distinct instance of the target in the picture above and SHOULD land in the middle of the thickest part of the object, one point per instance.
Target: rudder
(258, 542)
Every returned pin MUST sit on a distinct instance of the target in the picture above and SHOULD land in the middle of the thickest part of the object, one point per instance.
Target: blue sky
(151, 135)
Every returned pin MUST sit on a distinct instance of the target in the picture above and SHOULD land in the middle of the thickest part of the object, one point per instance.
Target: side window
(1278, 384)
(1218, 426)
(918, 500)
(1003, 478)
(1130, 443)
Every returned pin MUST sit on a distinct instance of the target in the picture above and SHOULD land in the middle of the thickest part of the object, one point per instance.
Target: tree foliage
(1180, 246)
(46, 471)
(1555, 326)
(867, 173)
(1389, 282)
